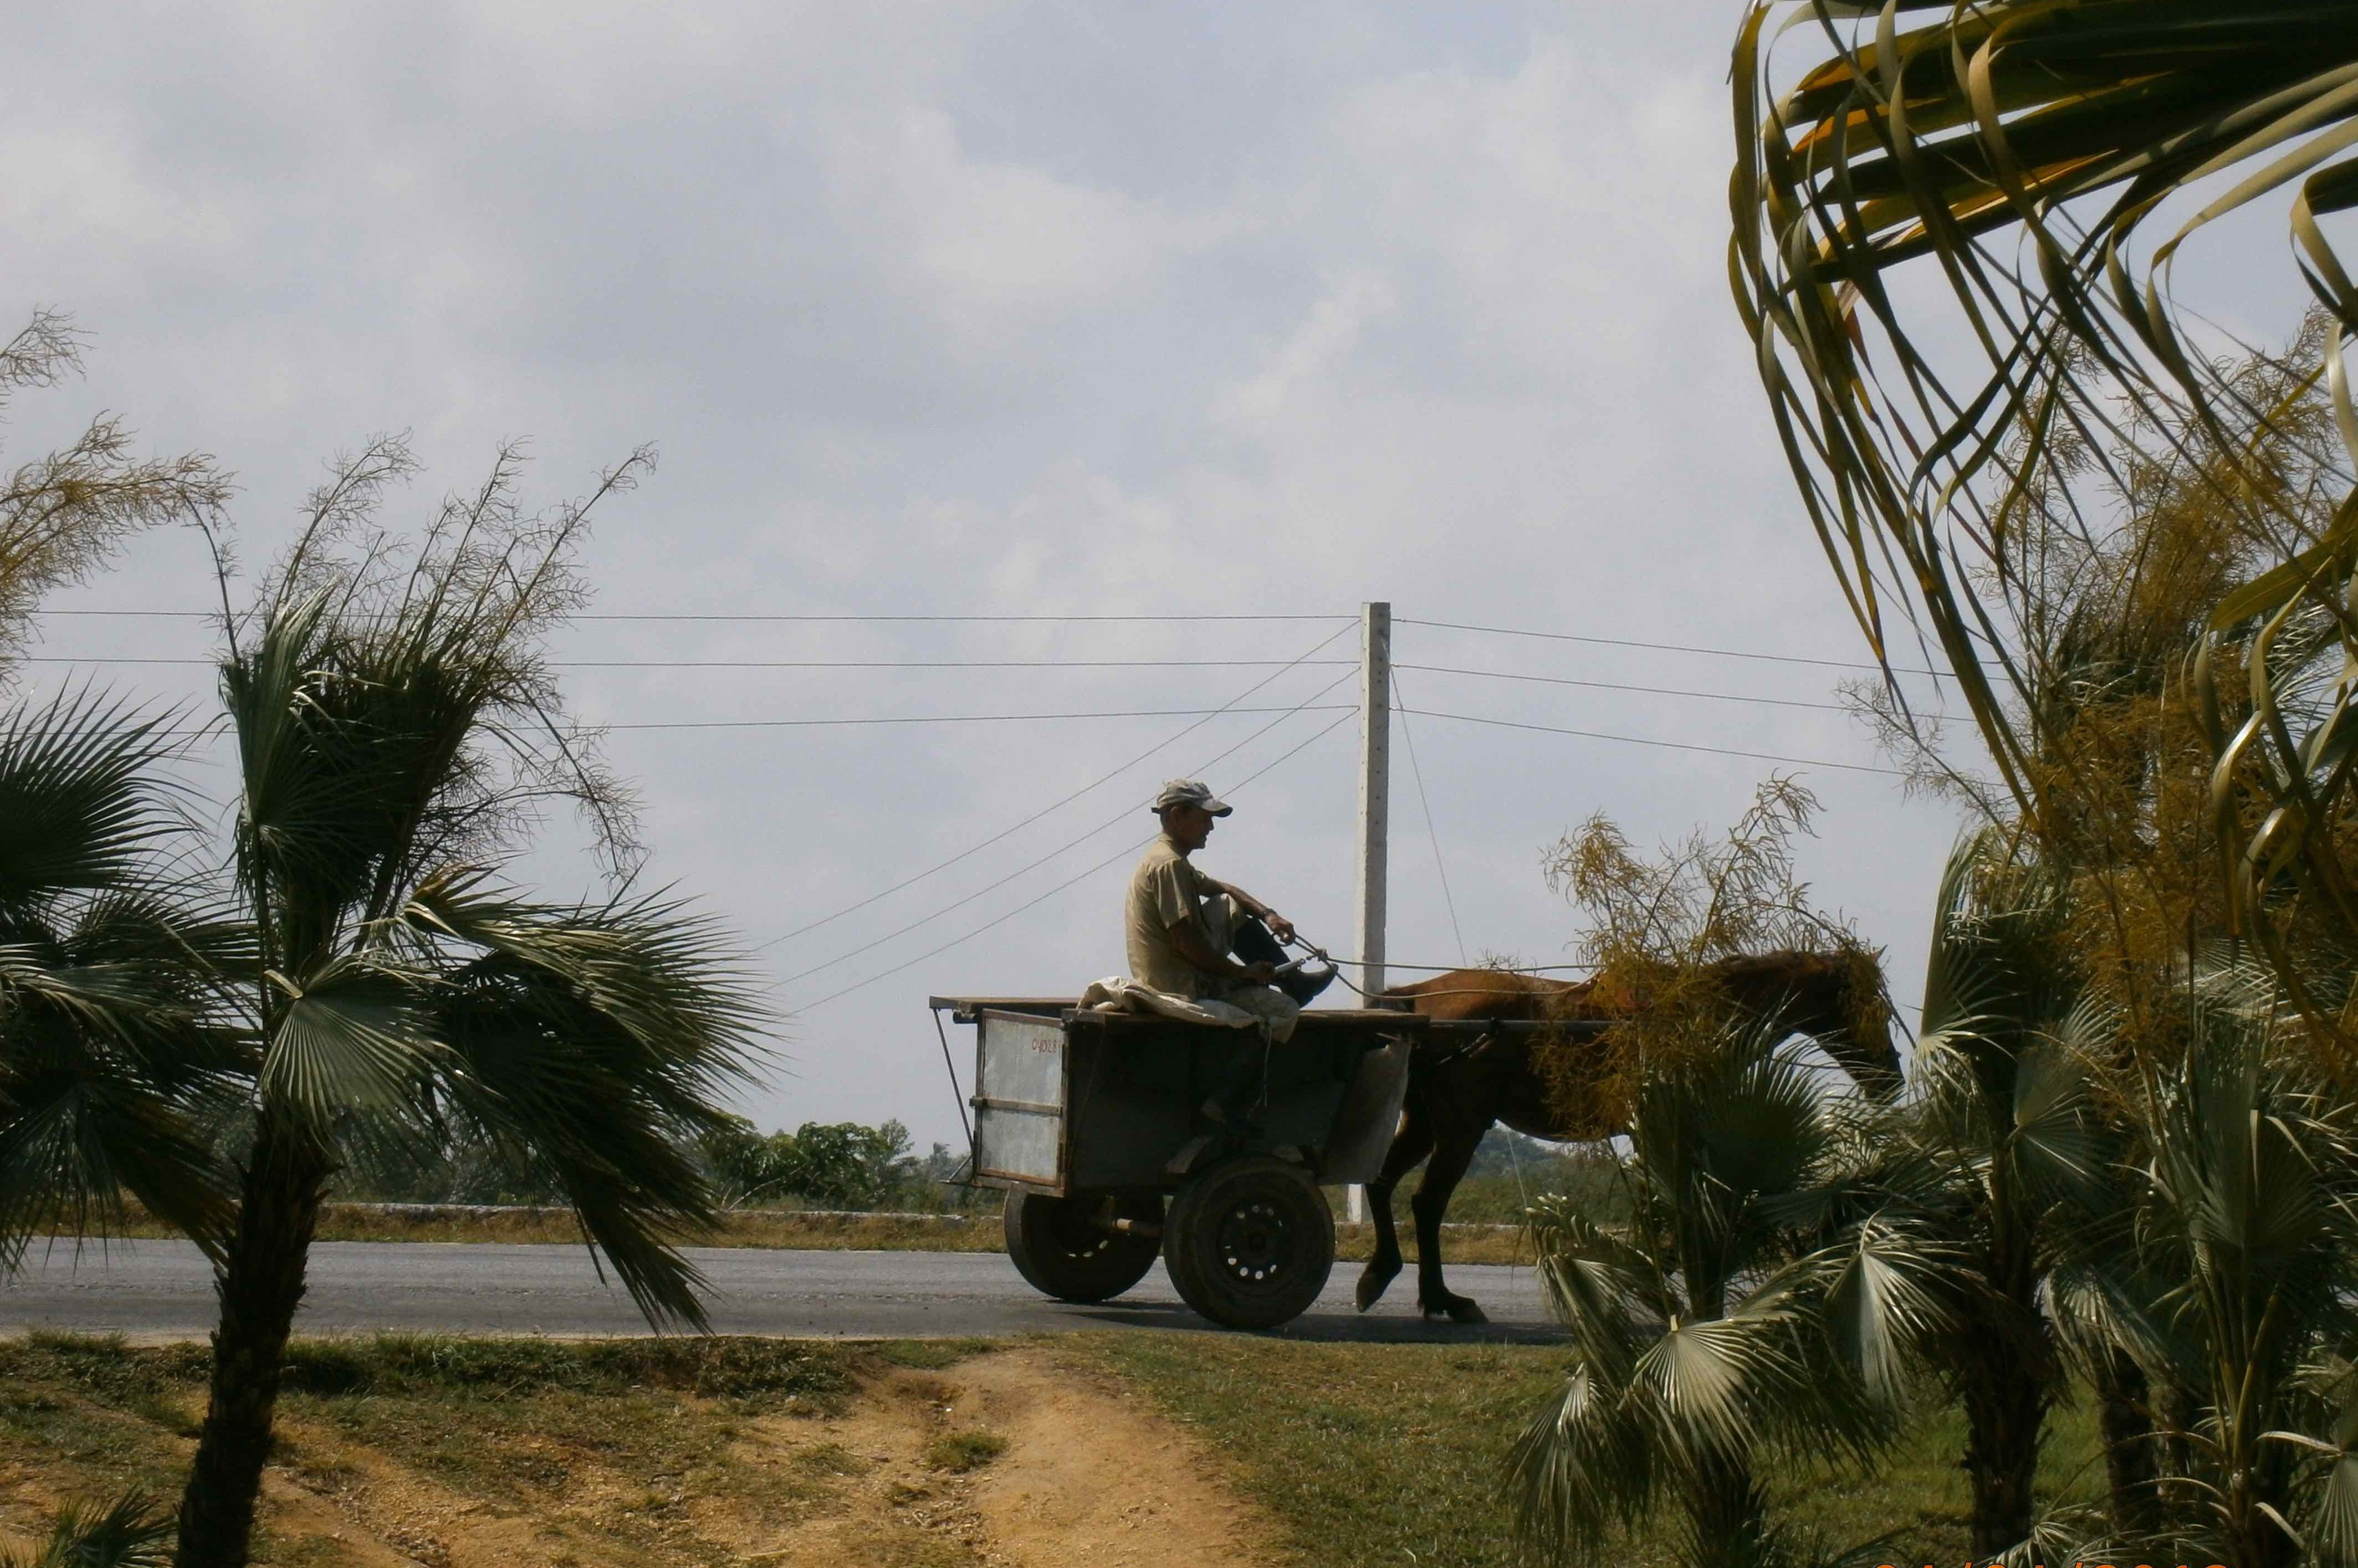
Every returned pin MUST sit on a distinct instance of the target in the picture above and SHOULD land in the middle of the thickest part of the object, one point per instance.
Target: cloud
(994, 309)
(1326, 337)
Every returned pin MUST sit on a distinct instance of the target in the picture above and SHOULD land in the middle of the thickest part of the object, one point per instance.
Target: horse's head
(1837, 999)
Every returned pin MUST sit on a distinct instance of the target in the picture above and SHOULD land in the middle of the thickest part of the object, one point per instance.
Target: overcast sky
(997, 309)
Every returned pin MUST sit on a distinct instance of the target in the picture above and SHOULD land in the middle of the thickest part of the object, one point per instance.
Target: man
(1184, 926)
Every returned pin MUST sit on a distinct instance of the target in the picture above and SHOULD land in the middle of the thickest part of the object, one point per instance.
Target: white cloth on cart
(1119, 993)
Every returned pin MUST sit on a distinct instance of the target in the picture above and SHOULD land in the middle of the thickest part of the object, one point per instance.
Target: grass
(626, 1451)
(964, 1451)
(1390, 1455)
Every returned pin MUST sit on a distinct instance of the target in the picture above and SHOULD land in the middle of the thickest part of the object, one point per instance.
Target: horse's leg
(1412, 1144)
(1453, 1152)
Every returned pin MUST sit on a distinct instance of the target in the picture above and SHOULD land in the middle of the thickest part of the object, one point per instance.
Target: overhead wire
(1667, 647)
(618, 615)
(1416, 771)
(1096, 783)
(1000, 920)
(1617, 686)
(1305, 706)
(723, 618)
(948, 718)
(1673, 745)
(797, 664)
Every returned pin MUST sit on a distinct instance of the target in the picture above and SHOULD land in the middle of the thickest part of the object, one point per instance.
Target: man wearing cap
(1183, 926)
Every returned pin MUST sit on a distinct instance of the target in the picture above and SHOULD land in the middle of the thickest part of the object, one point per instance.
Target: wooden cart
(1093, 1124)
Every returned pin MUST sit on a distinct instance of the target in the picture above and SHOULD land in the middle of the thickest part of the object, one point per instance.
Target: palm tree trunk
(2132, 1446)
(1727, 1513)
(2005, 1401)
(260, 1285)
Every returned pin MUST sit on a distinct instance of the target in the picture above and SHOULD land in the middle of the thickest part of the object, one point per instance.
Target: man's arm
(1279, 926)
(1188, 938)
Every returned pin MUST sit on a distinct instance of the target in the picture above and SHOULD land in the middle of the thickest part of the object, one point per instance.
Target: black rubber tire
(1061, 1251)
(1250, 1243)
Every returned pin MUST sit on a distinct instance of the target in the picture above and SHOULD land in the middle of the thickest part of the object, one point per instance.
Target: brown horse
(1456, 1090)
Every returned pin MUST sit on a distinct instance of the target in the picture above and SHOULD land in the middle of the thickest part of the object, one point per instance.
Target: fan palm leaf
(2252, 1213)
(115, 1053)
(133, 1532)
(1715, 1332)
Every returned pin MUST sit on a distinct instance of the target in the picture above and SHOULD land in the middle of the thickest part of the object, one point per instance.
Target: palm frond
(1888, 1304)
(354, 1036)
(133, 1532)
(83, 801)
(1582, 1463)
(2016, 151)
(599, 1038)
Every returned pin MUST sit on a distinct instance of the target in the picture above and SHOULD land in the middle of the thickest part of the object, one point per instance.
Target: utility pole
(1375, 809)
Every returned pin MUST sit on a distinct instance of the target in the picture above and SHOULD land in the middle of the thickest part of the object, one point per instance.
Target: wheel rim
(1076, 1237)
(1255, 1245)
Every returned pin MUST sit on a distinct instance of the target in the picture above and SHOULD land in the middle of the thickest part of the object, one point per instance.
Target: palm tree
(2016, 148)
(371, 980)
(113, 1063)
(1724, 1326)
(2019, 1162)
(2249, 1218)
(397, 728)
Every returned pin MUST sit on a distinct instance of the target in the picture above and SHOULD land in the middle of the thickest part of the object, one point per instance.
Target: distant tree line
(829, 1165)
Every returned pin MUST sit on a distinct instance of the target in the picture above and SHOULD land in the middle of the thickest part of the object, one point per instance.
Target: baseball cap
(1191, 792)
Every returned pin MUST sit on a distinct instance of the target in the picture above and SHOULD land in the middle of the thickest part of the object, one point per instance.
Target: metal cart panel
(1019, 1098)
(1070, 1101)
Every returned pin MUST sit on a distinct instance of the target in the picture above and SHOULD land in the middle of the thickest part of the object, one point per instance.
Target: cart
(1093, 1125)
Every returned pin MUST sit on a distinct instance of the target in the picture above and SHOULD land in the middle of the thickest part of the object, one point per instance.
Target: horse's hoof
(1457, 1309)
(1373, 1280)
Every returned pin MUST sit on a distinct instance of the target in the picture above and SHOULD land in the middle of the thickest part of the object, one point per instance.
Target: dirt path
(1092, 1476)
(1019, 1458)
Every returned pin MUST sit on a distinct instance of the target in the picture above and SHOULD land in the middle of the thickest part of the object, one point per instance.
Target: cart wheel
(1061, 1251)
(1250, 1243)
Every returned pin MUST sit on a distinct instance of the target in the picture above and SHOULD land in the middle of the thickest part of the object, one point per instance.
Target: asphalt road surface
(163, 1289)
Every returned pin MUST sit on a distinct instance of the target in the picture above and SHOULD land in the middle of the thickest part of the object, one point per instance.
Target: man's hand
(1259, 974)
(1279, 926)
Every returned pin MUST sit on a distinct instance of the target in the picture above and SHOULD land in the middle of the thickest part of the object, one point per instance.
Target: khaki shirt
(1164, 890)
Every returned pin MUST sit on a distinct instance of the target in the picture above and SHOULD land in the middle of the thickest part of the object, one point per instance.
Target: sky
(1000, 311)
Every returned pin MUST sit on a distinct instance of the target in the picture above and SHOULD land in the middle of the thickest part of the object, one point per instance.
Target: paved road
(163, 1289)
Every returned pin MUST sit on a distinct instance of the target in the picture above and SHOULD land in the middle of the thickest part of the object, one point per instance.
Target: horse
(1455, 1091)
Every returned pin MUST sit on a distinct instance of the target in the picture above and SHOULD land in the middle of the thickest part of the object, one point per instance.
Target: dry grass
(569, 1453)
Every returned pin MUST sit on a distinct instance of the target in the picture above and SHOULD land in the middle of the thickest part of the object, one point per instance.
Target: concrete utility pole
(1375, 807)
(1375, 784)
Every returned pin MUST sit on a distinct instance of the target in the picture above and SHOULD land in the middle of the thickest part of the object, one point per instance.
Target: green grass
(962, 1451)
(1389, 1454)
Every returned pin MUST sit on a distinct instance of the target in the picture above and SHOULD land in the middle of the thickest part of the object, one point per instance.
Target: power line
(1030, 903)
(956, 719)
(1616, 685)
(1672, 745)
(214, 615)
(1082, 619)
(800, 663)
(921, 718)
(1051, 665)
(1668, 647)
(1416, 769)
(1069, 844)
(1093, 784)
